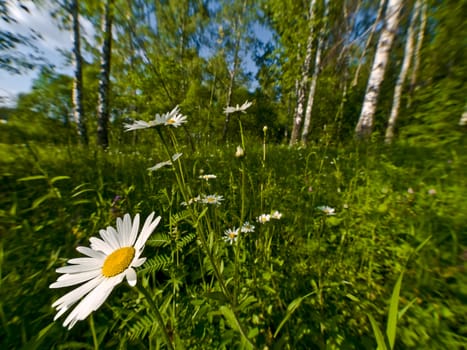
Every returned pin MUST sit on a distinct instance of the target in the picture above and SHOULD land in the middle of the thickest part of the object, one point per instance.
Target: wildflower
(240, 152)
(108, 261)
(173, 118)
(247, 227)
(327, 210)
(431, 191)
(212, 199)
(166, 163)
(410, 190)
(191, 201)
(237, 108)
(276, 215)
(231, 235)
(265, 129)
(263, 218)
(207, 177)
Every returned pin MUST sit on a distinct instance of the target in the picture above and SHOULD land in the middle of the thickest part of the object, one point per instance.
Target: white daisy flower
(238, 108)
(231, 235)
(327, 210)
(212, 199)
(108, 261)
(173, 118)
(263, 218)
(208, 177)
(276, 215)
(247, 227)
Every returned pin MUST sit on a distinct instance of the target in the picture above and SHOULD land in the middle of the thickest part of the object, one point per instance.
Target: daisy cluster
(264, 218)
(231, 234)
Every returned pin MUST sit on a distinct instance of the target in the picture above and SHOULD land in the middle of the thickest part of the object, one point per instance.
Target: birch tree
(103, 111)
(298, 116)
(368, 41)
(420, 37)
(314, 77)
(408, 53)
(77, 94)
(365, 122)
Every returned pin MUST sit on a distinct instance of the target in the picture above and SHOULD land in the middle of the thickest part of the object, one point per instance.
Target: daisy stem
(153, 305)
(93, 332)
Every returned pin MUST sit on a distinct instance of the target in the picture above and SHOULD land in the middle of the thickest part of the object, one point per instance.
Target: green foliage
(305, 280)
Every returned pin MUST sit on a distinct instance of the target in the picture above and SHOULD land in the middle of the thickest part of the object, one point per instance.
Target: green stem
(93, 332)
(153, 305)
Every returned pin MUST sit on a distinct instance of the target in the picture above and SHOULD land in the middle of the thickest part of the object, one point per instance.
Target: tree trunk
(365, 121)
(314, 77)
(368, 41)
(298, 117)
(418, 48)
(233, 73)
(77, 94)
(408, 53)
(103, 112)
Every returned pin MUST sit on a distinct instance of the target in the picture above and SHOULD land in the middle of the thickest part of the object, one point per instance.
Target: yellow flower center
(232, 235)
(118, 261)
(171, 121)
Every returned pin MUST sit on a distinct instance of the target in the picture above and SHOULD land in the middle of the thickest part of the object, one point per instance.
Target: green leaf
(391, 326)
(290, 310)
(378, 334)
(39, 200)
(31, 178)
(59, 178)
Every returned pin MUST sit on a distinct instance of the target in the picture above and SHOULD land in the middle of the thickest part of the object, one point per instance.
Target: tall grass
(307, 280)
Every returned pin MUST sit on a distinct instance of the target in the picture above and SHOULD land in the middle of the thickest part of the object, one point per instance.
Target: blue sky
(53, 38)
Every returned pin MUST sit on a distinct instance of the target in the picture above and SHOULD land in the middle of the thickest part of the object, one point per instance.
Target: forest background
(359, 105)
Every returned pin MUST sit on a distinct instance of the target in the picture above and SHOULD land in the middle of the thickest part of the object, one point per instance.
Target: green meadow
(364, 246)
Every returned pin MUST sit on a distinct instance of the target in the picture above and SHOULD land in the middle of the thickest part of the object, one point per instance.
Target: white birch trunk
(103, 112)
(418, 48)
(408, 53)
(314, 77)
(366, 119)
(368, 41)
(77, 94)
(298, 117)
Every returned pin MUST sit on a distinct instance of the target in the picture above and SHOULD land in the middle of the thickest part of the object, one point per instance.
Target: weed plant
(353, 246)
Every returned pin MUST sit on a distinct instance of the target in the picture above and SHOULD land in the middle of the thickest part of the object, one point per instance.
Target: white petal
(85, 261)
(148, 228)
(91, 302)
(91, 253)
(134, 231)
(76, 278)
(107, 237)
(126, 231)
(78, 268)
(119, 226)
(113, 237)
(131, 276)
(138, 262)
(72, 297)
(99, 244)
